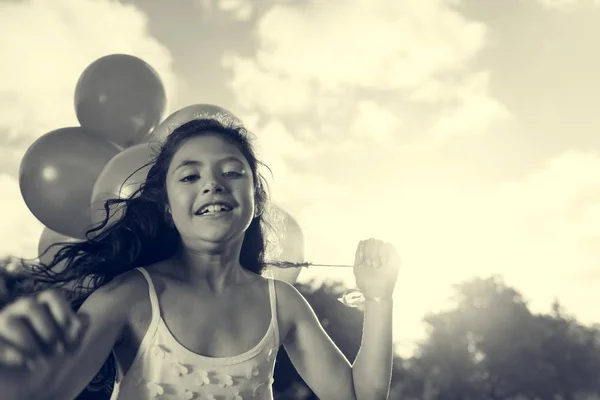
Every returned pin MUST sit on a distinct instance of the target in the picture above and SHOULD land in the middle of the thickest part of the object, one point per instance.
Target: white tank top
(164, 369)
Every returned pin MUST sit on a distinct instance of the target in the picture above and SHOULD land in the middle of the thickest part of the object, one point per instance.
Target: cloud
(374, 122)
(291, 160)
(326, 60)
(47, 46)
(558, 4)
(555, 214)
(566, 4)
(468, 109)
(41, 66)
(240, 10)
(274, 94)
(376, 44)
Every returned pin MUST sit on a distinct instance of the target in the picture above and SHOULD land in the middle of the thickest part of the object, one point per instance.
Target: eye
(190, 178)
(232, 174)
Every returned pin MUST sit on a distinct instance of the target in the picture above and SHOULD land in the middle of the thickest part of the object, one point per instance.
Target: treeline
(488, 346)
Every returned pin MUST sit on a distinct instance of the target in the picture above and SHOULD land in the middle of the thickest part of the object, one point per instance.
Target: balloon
(291, 244)
(189, 113)
(121, 97)
(57, 175)
(119, 179)
(47, 239)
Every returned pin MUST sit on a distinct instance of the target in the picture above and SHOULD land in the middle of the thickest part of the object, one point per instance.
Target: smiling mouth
(213, 209)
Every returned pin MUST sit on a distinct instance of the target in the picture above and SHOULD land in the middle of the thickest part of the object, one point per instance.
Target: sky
(463, 132)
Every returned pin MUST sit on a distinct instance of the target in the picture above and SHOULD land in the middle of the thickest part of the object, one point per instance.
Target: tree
(490, 346)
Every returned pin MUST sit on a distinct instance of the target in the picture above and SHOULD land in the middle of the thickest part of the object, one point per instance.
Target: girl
(175, 299)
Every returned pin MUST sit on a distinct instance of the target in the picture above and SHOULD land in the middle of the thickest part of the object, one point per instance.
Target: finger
(364, 261)
(382, 254)
(60, 309)
(359, 256)
(370, 253)
(59, 306)
(378, 253)
(47, 330)
(393, 258)
(11, 355)
(39, 317)
(18, 333)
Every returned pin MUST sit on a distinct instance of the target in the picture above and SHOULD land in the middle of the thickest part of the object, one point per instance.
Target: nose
(213, 187)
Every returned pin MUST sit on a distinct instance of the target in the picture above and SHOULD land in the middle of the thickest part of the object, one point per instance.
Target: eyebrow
(186, 163)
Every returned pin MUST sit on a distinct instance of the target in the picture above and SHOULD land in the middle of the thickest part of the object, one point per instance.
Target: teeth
(212, 208)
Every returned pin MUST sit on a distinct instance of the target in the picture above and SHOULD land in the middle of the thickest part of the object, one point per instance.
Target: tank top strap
(273, 301)
(119, 370)
(155, 309)
(152, 293)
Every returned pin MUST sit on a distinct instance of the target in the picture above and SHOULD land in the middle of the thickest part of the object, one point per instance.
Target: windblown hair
(143, 235)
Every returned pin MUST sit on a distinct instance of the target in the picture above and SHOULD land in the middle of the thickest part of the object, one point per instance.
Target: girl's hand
(35, 333)
(376, 268)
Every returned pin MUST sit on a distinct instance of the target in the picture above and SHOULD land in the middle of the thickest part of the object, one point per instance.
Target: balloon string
(288, 264)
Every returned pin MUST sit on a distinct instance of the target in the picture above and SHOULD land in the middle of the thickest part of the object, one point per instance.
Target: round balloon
(290, 245)
(46, 250)
(120, 178)
(189, 113)
(57, 175)
(121, 97)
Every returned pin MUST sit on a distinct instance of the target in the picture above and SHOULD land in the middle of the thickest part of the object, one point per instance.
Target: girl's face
(210, 189)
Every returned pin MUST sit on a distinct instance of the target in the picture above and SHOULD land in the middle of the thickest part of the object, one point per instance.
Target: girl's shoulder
(286, 290)
(126, 296)
(112, 303)
(126, 288)
(290, 302)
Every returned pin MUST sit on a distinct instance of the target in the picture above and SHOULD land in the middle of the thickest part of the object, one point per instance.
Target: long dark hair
(143, 235)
